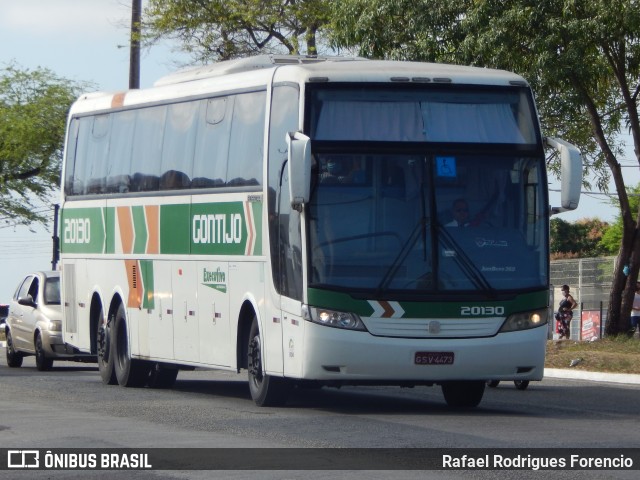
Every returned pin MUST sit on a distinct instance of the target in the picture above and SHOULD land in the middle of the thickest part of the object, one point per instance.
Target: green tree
(580, 239)
(33, 113)
(612, 238)
(225, 29)
(581, 58)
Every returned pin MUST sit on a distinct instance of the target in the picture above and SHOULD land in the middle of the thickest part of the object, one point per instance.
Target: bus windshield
(426, 189)
(427, 223)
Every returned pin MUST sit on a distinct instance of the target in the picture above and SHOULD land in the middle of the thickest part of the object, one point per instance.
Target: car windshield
(383, 222)
(52, 291)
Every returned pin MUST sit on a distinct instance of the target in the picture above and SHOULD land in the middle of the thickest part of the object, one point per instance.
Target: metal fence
(590, 283)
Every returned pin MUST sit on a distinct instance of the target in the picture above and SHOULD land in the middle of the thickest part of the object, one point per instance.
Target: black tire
(14, 358)
(104, 349)
(129, 372)
(521, 384)
(493, 383)
(266, 390)
(42, 362)
(464, 394)
(161, 376)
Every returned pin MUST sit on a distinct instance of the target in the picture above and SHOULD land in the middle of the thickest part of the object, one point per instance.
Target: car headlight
(332, 318)
(55, 325)
(525, 320)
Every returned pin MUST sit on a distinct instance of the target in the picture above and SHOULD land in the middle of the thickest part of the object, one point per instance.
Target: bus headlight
(332, 318)
(524, 320)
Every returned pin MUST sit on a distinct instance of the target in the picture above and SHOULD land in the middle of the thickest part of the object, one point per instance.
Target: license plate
(434, 358)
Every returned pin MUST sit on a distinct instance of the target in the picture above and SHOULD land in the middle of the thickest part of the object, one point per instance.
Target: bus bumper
(354, 357)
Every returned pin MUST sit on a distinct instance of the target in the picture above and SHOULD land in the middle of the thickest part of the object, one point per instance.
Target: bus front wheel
(266, 390)
(463, 394)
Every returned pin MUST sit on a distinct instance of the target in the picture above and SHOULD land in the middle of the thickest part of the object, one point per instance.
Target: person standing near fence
(565, 313)
(635, 312)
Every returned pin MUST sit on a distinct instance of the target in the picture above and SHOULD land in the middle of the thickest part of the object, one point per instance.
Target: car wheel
(42, 362)
(129, 372)
(104, 342)
(493, 383)
(521, 384)
(266, 390)
(14, 358)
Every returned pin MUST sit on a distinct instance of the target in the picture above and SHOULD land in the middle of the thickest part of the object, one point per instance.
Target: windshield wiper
(389, 275)
(465, 263)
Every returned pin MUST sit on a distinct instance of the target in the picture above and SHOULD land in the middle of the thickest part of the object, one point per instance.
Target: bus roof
(259, 70)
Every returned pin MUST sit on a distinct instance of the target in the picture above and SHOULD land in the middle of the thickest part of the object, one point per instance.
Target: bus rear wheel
(104, 342)
(266, 390)
(129, 372)
(464, 394)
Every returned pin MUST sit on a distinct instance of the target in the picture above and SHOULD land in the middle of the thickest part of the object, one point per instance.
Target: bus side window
(212, 143)
(174, 180)
(148, 140)
(120, 148)
(178, 145)
(246, 153)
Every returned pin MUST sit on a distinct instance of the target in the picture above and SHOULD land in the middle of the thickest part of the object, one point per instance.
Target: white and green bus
(292, 217)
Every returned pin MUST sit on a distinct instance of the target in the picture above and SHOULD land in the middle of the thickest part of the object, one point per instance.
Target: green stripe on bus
(110, 225)
(218, 228)
(257, 218)
(140, 229)
(82, 231)
(146, 268)
(344, 302)
(224, 228)
(174, 229)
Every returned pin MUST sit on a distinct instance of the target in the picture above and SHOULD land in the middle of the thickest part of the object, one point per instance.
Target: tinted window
(212, 144)
(430, 114)
(120, 146)
(284, 223)
(179, 144)
(197, 144)
(52, 291)
(247, 138)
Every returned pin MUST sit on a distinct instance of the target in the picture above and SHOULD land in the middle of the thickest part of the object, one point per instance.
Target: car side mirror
(27, 301)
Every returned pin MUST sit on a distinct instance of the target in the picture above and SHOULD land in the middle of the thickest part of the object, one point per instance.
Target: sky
(88, 41)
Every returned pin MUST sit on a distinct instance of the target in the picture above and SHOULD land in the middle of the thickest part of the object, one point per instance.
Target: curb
(627, 378)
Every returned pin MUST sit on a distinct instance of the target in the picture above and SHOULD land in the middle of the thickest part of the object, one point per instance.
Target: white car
(34, 323)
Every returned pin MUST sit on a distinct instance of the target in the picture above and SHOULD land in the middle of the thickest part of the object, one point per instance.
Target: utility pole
(134, 56)
(55, 257)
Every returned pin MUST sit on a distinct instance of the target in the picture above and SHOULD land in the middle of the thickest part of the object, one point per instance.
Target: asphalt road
(69, 407)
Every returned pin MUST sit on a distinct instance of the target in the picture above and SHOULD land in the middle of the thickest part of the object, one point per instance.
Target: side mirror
(570, 174)
(299, 168)
(27, 301)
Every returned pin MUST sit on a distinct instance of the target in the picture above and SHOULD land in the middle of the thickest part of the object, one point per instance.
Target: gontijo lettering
(217, 228)
(77, 230)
